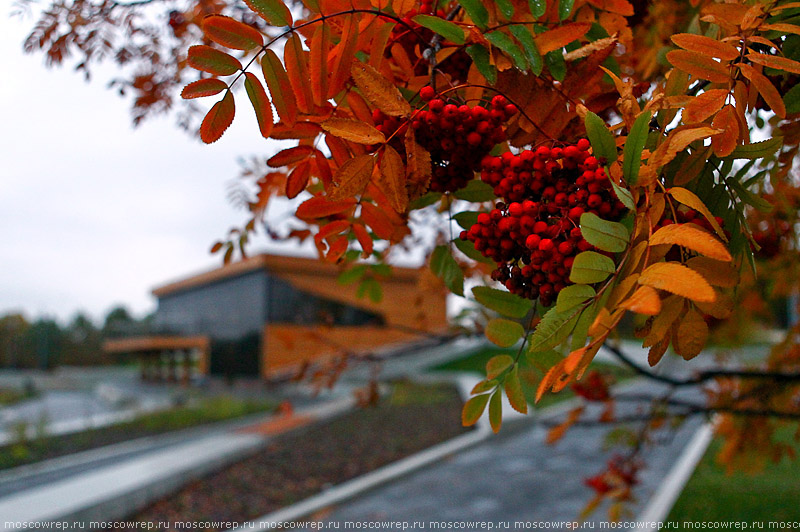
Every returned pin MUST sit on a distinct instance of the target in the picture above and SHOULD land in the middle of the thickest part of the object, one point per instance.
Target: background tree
(617, 150)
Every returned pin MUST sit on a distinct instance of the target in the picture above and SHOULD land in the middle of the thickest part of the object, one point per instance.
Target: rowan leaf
(261, 105)
(764, 87)
(690, 199)
(717, 273)
(699, 66)
(378, 220)
(498, 364)
(444, 266)
(692, 335)
(706, 46)
(572, 296)
(340, 72)
(523, 35)
(692, 237)
(506, 8)
(513, 389)
(213, 61)
(231, 33)
(279, 88)
(634, 145)
(353, 130)
(476, 191)
(507, 45)
(483, 62)
(290, 155)
(379, 91)
(561, 36)
(297, 180)
(677, 141)
(468, 248)
(791, 100)
(565, 9)
(274, 12)
(704, 105)
(352, 177)
(473, 409)
(603, 234)
(318, 63)
(502, 302)
(623, 195)
(322, 207)
(757, 150)
(203, 87)
(552, 329)
(678, 279)
(538, 7)
(496, 411)
(466, 219)
(445, 28)
(296, 60)
(774, 61)
(602, 140)
(591, 267)
(725, 142)
(218, 119)
(476, 11)
(644, 301)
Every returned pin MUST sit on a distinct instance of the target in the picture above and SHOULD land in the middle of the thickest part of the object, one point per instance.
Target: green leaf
(444, 266)
(591, 267)
(473, 409)
(466, 219)
(475, 191)
(748, 197)
(542, 361)
(532, 54)
(792, 100)
(556, 64)
(476, 11)
(757, 150)
(484, 386)
(496, 411)
(445, 28)
(603, 234)
(624, 195)
(573, 295)
(352, 275)
(480, 56)
(468, 248)
(565, 8)
(602, 140)
(273, 11)
(633, 148)
(428, 199)
(497, 365)
(506, 8)
(504, 42)
(538, 7)
(502, 302)
(371, 288)
(553, 329)
(513, 388)
(503, 332)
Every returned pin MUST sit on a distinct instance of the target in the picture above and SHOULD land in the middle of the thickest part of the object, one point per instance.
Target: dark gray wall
(289, 305)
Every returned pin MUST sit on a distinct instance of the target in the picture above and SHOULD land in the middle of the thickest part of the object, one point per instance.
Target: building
(268, 315)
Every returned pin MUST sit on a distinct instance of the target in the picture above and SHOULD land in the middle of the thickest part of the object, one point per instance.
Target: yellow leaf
(621, 290)
(715, 272)
(352, 177)
(725, 142)
(676, 142)
(379, 91)
(692, 335)
(644, 301)
(704, 105)
(692, 237)
(561, 36)
(393, 179)
(690, 199)
(353, 130)
(678, 279)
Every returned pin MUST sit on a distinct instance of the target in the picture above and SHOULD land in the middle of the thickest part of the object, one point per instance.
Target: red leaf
(279, 87)
(346, 49)
(319, 46)
(273, 11)
(320, 207)
(231, 33)
(364, 239)
(261, 105)
(377, 220)
(289, 156)
(218, 119)
(203, 87)
(297, 180)
(213, 61)
(297, 70)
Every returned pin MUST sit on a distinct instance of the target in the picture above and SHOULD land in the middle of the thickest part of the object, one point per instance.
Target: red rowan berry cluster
(457, 136)
(619, 477)
(534, 234)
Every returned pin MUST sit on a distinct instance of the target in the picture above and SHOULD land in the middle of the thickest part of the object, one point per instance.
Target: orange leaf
(677, 141)
(375, 218)
(692, 237)
(418, 167)
(213, 61)
(401, 7)
(203, 87)
(671, 309)
(379, 91)
(323, 168)
(332, 228)
(300, 130)
(352, 177)
(297, 71)
(336, 250)
(340, 72)
(678, 279)
(231, 33)
(353, 130)
(621, 7)
(359, 107)
(218, 119)
(705, 46)
(704, 105)
(297, 179)
(261, 105)
(644, 301)
(289, 156)
(774, 61)
(765, 87)
(279, 87)
(319, 47)
(781, 27)
(364, 239)
(561, 36)
(321, 207)
(393, 179)
(555, 434)
(692, 335)
(724, 143)
(690, 199)
(699, 66)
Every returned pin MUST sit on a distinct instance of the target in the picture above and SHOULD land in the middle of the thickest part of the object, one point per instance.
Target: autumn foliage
(591, 159)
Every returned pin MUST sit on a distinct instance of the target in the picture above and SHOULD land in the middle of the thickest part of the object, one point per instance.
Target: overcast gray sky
(93, 212)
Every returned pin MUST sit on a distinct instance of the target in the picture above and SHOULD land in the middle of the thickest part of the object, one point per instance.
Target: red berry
(427, 93)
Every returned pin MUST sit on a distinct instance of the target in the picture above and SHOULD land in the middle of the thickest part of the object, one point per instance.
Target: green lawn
(712, 495)
(530, 376)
